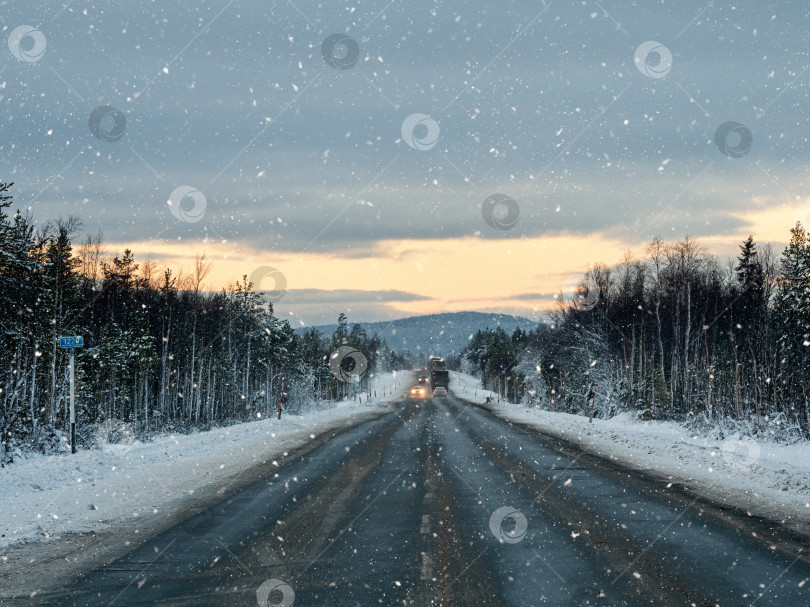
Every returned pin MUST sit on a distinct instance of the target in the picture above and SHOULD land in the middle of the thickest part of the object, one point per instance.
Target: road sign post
(72, 404)
(71, 343)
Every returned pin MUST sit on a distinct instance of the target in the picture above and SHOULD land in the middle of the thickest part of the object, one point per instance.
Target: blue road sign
(75, 341)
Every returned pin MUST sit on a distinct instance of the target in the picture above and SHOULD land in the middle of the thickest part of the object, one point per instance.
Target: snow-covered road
(410, 507)
(440, 502)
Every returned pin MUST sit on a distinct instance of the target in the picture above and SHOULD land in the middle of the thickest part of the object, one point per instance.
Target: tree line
(674, 334)
(161, 353)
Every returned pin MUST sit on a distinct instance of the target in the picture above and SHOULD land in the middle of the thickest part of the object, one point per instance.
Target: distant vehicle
(440, 391)
(423, 377)
(419, 391)
(439, 376)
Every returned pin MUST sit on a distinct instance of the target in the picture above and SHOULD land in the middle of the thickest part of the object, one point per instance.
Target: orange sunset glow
(518, 276)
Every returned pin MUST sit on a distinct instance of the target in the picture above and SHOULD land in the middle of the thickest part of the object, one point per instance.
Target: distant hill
(443, 334)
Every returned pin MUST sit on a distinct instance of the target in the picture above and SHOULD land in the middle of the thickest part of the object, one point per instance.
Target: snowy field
(766, 479)
(45, 497)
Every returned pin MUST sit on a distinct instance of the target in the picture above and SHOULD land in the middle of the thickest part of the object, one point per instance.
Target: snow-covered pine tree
(793, 314)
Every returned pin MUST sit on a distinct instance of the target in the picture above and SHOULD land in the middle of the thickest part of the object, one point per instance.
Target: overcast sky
(313, 162)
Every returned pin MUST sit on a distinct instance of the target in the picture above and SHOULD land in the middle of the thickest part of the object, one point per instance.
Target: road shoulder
(748, 498)
(179, 490)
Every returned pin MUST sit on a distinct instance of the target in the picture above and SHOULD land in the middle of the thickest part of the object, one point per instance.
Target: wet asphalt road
(440, 503)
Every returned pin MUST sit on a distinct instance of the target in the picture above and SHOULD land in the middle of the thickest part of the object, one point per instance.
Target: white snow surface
(763, 478)
(95, 490)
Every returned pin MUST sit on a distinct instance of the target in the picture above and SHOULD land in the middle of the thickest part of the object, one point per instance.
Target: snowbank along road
(440, 503)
